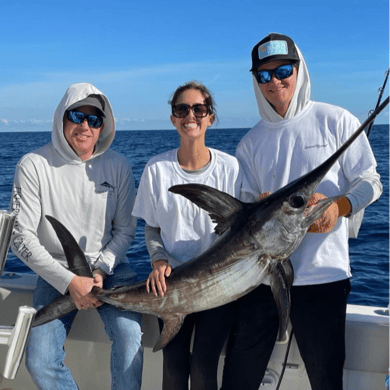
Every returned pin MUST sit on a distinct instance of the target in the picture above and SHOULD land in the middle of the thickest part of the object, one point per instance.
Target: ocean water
(369, 253)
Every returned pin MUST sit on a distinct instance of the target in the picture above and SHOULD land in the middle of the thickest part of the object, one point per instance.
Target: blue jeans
(45, 353)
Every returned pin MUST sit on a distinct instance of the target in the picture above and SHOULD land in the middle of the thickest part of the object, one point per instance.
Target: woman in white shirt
(176, 230)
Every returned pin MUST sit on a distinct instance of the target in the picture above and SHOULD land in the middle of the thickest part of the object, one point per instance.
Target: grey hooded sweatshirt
(93, 199)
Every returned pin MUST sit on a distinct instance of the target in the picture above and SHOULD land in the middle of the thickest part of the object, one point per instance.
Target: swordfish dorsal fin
(172, 325)
(74, 255)
(221, 206)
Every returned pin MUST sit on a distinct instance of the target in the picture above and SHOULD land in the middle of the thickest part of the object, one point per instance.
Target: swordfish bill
(255, 244)
(77, 264)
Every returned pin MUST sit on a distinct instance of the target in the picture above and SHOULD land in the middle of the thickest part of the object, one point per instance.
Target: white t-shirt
(274, 154)
(186, 229)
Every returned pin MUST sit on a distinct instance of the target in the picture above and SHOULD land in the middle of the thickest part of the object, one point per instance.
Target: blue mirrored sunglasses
(78, 118)
(281, 72)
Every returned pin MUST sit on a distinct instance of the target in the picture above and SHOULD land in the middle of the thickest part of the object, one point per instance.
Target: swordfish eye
(296, 201)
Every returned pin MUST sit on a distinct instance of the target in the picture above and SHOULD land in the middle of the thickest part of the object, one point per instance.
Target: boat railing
(15, 337)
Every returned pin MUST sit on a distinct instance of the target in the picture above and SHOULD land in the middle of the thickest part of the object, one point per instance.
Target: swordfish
(256, 242)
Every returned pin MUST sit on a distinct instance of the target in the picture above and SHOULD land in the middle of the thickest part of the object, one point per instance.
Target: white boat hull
(88, 348)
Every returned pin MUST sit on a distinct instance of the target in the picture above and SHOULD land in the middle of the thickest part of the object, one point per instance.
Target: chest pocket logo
(106, 190)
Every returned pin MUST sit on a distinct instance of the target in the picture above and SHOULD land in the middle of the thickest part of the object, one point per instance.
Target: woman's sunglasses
(182, 110)
(281, 72)
(78, 118)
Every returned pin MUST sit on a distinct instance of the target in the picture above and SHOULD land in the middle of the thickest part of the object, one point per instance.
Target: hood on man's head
(273, 47)
(276, 47)
(77, 95)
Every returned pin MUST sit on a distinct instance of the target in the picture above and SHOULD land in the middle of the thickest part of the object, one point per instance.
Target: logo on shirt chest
(317, 146)
(106, 190)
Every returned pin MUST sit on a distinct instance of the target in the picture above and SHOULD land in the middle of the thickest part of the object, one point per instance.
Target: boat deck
(88, 348)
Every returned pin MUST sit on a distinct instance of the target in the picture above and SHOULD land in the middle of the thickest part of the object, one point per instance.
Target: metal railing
(14, 336)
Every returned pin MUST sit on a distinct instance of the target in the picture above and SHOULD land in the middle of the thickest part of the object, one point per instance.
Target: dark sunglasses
(78, 118)
(182, 110)
(281, 72)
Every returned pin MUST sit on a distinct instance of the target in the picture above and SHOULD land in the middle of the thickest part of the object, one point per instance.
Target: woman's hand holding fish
(156, 279)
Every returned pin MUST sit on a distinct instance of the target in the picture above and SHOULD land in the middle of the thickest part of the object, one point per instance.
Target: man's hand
(80, 288)
(263, 195)
(328, 220)
(156, 279)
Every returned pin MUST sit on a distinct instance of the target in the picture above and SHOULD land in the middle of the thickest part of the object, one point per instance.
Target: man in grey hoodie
(89, 188)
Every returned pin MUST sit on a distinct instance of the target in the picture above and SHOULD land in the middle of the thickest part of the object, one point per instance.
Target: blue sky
(137, 53)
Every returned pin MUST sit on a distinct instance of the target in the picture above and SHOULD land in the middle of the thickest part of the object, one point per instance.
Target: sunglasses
(182, 110)
(78, 118)
(281, 72)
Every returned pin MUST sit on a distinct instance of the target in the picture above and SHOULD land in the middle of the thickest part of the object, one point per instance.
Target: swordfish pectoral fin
(280, 287)
(221, 206)
(289, 272)
(172, 325)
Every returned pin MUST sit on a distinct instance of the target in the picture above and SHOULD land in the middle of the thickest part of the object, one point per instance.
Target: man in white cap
(89, 188)
(294, 136)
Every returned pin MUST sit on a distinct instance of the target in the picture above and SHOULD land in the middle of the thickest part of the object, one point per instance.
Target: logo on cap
(272, 48)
